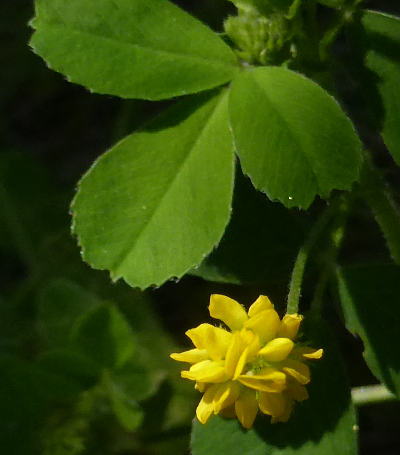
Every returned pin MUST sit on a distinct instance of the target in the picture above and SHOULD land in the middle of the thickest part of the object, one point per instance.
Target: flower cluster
(255, 366)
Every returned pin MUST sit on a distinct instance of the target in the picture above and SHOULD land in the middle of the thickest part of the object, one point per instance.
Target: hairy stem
(336, 236)
(302, 257)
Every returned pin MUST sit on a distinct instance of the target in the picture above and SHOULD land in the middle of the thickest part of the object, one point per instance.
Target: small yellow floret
(228, 311)
(255, 366)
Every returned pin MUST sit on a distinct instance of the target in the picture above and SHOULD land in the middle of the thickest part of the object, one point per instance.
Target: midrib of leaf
(180, 55)
(288, 129)
(119, 263)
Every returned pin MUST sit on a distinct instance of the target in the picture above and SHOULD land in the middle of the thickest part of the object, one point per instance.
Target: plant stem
(371, 394)
(302, 257)
(335, 241)
(344, 16)
(377, 195)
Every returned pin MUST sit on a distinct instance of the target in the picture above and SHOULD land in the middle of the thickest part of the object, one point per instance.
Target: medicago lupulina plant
(270, 93)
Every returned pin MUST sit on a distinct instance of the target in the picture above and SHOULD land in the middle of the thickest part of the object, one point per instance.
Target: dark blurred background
(50, 133)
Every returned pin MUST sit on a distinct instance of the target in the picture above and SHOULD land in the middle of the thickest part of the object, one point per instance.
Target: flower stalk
(296, 281)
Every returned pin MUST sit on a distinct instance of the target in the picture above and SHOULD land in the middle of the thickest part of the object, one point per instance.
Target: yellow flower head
(255, 366)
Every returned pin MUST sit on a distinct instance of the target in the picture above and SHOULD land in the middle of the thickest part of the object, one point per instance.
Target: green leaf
(134, 380)
(78, 369)
(126, 387)
(131, 48)
(382, 33)
(292, 137)
(158, 202)
(60, 304)
(255, 221)
(324, 424)
(154, 344)
(104, 335)
(66, 437)
(126, 409)
(370, 302)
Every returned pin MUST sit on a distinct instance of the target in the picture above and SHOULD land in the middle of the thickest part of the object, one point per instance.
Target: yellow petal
(252, 341)
(315, 354)
(265, 324)
(250, 352)
(285, 416)
(290, 326)
(206, 371)
(296, 391)
(205, 407)
(241, 363)
(261, 304)
(309, 353)
(226, 395)
(243, 344)
(233, 354)
(277, 349)
(246, 408)
(298, 370)
(201, 386)
(191, 356)
(269, 380)
(273, 404)
(228, 311)
(213, 339)
(229, 412)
